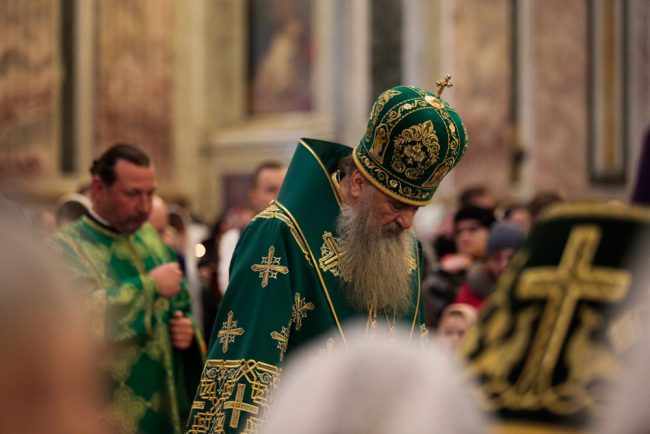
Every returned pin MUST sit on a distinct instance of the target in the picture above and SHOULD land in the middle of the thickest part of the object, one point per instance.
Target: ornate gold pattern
(216, 390)
(416, 150)
(299, 310)
(237, 406)
(331, 254)
(379, 106)
(283, 339)
(270, 267)
(228, 332)
(400, 189)
(412, 264)
(274, 212)
(562, 288)
(320, 276)
(595, 209)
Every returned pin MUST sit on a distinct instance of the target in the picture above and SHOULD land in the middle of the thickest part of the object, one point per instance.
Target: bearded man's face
(377, 249)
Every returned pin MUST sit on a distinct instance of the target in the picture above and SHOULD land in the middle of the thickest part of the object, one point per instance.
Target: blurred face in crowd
(266, 187)
(521, 217)
(377, 247)
(452, 328)
(484, 200)
(497, 262)
(471, 238)
(159, 217)
(126, 204)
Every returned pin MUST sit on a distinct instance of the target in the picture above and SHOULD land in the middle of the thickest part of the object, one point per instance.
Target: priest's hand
(181, 331)
(168, 277)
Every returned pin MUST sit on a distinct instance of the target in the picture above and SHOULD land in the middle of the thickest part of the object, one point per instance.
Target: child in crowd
(455, 320)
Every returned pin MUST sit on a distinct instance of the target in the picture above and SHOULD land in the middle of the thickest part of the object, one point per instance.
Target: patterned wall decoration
(28, 90)
(134, 77)
(559, 50)
(483, 75)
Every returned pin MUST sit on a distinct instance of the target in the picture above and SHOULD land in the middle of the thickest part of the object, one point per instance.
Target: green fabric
(412, 141)
(550, 340)
(263, 318)
(149, 379)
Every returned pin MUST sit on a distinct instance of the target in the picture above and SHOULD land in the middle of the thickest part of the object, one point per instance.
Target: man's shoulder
(76, 230)
(272, 216)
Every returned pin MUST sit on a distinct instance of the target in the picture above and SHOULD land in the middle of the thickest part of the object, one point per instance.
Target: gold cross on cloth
(299, 310)
(270, 267)
(574, 279)
(228, 332)
(331, 254)
(442, 83)
(238, 405)
(283, 340)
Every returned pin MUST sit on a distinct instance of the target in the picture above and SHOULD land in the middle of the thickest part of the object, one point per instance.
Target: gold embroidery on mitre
(439, 173)
(228, 332)
(270, 267)
(416, 150)
(378, 106)
(380, 143)
(331, 254)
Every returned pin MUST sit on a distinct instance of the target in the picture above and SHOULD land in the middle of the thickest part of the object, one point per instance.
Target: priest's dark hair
(104, 166)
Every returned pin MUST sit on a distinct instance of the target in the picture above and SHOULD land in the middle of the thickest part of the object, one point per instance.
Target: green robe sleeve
(129, 303)
(251, 332)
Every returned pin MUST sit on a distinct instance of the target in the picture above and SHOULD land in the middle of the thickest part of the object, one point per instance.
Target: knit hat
(504, 235)
(484, 216)
(413, 139)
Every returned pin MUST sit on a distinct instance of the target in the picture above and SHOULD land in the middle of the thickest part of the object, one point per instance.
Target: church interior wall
(172, 76)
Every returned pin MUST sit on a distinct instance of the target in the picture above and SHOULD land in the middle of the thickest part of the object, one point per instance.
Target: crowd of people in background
(472, 245)
(469, 248)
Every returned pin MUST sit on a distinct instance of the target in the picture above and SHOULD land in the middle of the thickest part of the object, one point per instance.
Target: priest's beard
(375, 262)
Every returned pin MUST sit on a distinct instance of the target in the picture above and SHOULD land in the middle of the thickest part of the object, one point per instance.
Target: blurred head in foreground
(48, 380)
(376, 386)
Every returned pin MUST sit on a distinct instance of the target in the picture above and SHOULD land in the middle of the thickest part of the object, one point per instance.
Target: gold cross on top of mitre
(442, 83)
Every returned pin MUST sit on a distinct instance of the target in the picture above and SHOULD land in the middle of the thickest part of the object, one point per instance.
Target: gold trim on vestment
(417, 301)
(597, 209)
(318, 273)
(337, 193)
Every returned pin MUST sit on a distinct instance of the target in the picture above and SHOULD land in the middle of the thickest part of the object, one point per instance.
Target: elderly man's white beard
(375, 262)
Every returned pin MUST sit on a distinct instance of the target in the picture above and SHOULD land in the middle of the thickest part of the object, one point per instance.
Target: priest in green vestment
(140, 303)
(333, 247)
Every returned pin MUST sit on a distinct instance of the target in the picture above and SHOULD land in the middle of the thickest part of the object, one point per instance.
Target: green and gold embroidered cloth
(549, 341)
(284, 291)
(151, 383)
(413, 139)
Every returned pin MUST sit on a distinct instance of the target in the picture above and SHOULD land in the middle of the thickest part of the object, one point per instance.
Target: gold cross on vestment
(574, 279)
(270, 267)
(299, 310)
(227, 334)
(331, 254)
(442, 83)
(238, 405)
(283, 340)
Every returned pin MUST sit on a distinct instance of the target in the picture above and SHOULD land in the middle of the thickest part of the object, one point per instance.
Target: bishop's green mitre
(413, 139)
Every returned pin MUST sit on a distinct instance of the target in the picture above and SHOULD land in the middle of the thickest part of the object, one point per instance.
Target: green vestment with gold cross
(151, 383)
(284, 290)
